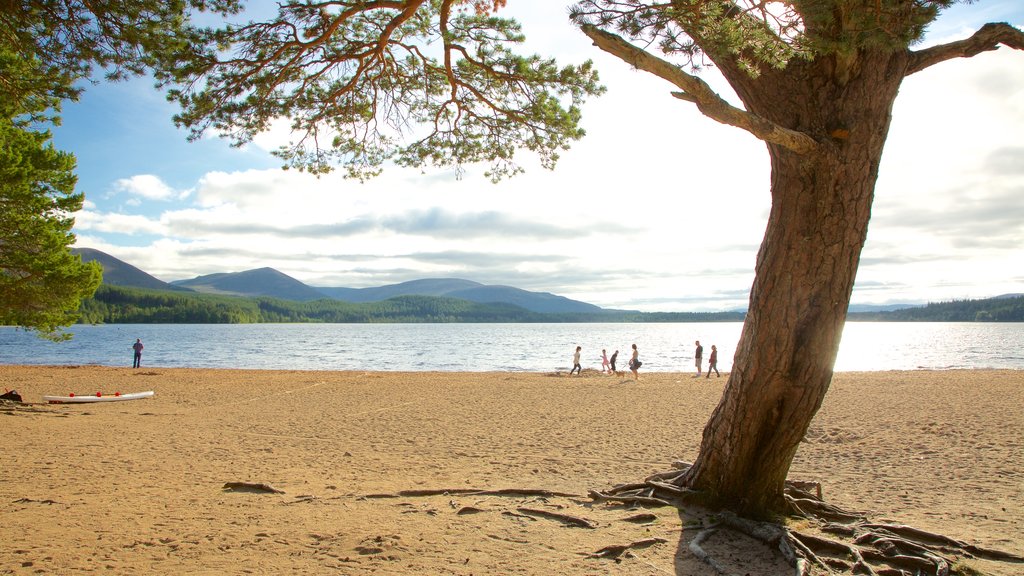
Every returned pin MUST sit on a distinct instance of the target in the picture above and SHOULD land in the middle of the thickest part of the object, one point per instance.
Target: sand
(138, 487)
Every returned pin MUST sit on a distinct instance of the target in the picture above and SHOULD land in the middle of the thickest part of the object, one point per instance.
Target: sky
(657, 209)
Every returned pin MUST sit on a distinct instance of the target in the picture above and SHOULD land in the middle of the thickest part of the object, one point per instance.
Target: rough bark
(825, 121)
(805, 270)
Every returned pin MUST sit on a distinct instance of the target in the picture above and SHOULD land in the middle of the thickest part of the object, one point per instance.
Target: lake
(668, 347)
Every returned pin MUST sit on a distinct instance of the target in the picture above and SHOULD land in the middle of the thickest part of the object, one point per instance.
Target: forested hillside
(1004, 309)
(122, 305)
(118, 305)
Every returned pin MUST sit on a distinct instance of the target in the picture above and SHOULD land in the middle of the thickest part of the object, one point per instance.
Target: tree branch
(697, 91)
(987, 38)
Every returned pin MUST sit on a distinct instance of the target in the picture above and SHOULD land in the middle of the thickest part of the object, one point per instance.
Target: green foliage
(41, 282)
(47, 49)
(1009, 309)
(69, 39)
(120, 305)
(763, 35)
(693, 28)
(364, 83)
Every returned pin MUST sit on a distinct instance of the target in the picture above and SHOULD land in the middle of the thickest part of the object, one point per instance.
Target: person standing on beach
(634, 363)
(615, 357)
(604, 361)
(576, 367)
(713, 362)
(137, 361)
(697, 357)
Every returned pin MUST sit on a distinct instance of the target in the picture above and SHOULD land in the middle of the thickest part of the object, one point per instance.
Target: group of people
(608, 364)
(698, 357)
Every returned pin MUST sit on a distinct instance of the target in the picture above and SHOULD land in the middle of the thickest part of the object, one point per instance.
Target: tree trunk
(805, 270)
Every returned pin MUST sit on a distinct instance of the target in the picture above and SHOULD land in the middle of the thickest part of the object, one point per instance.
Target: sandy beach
(371, 469)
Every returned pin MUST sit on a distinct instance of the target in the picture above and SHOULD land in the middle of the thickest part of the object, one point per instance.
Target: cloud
(149, 187)
(93, 221)
(658, 208)
(1006, 160)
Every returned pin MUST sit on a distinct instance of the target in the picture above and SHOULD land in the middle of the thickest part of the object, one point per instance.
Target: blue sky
(658, 208)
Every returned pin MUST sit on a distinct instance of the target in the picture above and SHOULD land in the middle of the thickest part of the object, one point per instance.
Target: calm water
(502, 347)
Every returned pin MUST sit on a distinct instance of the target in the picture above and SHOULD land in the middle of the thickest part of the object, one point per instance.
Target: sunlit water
(866, 346)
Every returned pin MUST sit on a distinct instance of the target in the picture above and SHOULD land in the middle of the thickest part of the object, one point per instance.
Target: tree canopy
(364, 83)
(41, 281)
(47, 50)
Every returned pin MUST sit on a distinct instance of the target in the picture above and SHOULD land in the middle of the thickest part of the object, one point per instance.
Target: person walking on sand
(604, 361)
(634, 363)
(615, 356)
(137, 361)
(697, 357)
(713, 362)
(576, 362)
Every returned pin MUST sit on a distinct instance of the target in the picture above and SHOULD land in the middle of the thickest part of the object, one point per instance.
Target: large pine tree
(437, 82)
(48, 50)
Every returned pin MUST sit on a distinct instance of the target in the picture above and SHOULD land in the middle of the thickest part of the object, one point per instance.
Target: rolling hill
(258, 282)
(272, 283)
(543, 302)
(120, 273)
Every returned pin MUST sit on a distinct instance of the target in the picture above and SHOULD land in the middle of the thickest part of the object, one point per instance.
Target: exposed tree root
(616, 550)
(861, 547)
(831, 541)
(566, 519)
(474, 492)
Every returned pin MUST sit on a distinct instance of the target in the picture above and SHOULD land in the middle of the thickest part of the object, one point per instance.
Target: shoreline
(941, 450)
(561, 371)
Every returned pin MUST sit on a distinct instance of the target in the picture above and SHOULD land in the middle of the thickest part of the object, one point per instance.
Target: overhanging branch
(697, 91)
(987, 38)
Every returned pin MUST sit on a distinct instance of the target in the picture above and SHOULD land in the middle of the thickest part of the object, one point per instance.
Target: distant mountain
(272, 283)
(426, 287)
(259, 282)
(430, 300)
(542, 302)
(119, 273)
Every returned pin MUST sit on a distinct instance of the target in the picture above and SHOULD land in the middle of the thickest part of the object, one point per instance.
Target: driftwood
(251, 487)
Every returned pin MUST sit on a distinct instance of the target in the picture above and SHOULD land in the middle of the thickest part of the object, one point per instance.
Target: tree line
(1005, 309)
(124, 305)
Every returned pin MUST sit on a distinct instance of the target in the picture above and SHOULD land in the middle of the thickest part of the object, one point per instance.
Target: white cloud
(658, 208)
(149, 187)
(948, 218)
(112, 223)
